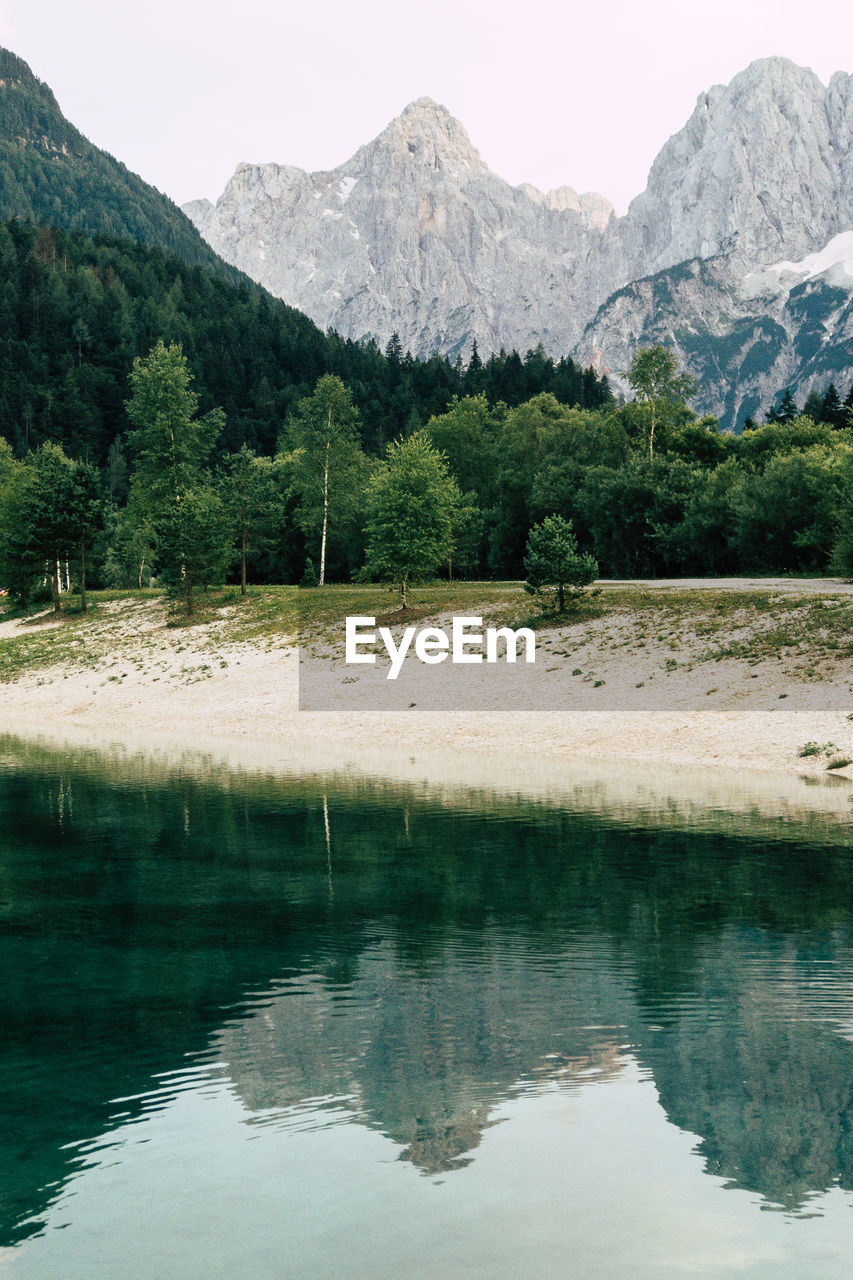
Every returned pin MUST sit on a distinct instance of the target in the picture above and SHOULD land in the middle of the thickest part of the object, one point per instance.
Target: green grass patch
(701, 625)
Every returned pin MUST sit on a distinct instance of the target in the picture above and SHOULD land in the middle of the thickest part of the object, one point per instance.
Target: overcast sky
(550, 93)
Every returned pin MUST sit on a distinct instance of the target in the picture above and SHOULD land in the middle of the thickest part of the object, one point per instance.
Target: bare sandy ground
(643, 718)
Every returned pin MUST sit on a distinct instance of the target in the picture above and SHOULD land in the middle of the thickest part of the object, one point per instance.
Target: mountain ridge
(52, 173)
(415, 235)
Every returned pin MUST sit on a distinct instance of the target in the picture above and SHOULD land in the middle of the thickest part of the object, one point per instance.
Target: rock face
(415, 235)
(761, 171)
(743, 340)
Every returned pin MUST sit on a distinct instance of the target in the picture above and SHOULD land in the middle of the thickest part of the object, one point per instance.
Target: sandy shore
(727, 733)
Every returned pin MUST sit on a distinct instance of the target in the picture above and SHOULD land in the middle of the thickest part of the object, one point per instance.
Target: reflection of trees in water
(455, 952)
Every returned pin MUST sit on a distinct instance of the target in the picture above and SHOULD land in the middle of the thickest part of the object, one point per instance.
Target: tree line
(641, 489)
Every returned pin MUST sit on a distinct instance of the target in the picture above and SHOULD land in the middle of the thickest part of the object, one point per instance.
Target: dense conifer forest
(51, 174)
(75, 311)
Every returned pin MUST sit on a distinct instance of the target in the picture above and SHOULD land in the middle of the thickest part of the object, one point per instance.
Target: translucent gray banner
(454, 664)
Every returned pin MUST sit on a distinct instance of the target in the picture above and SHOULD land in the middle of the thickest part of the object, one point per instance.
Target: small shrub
(816, 749)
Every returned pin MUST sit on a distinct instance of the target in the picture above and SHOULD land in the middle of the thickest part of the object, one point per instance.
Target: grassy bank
(809, 632)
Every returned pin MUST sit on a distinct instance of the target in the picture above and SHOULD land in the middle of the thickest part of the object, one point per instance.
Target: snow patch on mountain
(834, 261)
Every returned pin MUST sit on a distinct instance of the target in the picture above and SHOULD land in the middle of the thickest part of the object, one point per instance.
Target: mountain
(744, 337)
(50, 173)
(415, 235)
(762, 170)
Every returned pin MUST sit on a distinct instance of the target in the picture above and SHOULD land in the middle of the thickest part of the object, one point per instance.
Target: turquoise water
(264, 1028)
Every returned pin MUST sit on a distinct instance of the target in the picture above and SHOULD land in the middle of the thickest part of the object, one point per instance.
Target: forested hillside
(50, 173)
(74, 312)
(649, 489)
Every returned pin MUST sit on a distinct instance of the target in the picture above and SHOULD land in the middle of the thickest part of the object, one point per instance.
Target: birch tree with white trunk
(328, 464)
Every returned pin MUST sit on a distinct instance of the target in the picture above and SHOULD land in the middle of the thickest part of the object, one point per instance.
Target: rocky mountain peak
(594, 209)
(754, 173)
(427, 109)
(433, 138)
(415, 235)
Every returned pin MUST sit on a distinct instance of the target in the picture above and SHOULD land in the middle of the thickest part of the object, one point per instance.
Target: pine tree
(813, 407)
(474, 372)
(848, 408)
(785, 410)
(554, 562)
(832, 410)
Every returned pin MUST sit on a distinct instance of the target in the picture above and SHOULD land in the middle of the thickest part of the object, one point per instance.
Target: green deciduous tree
(844, 544)
(192, 544)
(172, 489)
(786, 515)
(252, 491)
(172, 446)
(13, 476)
(130, 556)
(656, 380)
(468, 434)
(327, 461)
(42, 535)
(413, 506)
(86, 517)
(554, 564)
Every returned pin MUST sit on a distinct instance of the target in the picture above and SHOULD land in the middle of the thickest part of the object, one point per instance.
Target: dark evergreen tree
(474, 372)
(554, 565)
(832, 410)
(848, 408)
(813, 407)
(86, 518)
(394, 355)
(785, 409)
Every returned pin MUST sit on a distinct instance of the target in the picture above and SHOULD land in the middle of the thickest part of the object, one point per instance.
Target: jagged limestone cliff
(415, 235)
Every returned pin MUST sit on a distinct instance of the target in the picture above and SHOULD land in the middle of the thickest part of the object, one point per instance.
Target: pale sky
(550, 93)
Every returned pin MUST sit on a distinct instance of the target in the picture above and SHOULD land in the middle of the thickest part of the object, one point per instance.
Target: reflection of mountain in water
(427, 964)
(426, 1055)
(744, 1058)
(759, 1064)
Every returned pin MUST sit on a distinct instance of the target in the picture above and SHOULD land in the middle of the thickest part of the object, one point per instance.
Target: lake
(265, 1027)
